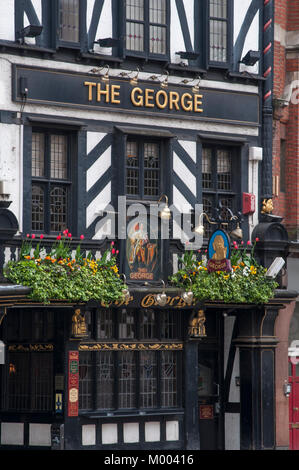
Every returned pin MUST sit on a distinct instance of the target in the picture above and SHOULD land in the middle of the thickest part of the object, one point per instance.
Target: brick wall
(286, 120)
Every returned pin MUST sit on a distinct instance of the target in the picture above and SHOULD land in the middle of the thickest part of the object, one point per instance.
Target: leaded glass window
(146, 26)
(69, 20)
(220, 182)
(218, 30)
(50, 182)
(143, 169)
(129, 368)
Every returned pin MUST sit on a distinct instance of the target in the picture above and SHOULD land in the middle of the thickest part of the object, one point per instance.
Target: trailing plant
(245, 283)
(61, 276)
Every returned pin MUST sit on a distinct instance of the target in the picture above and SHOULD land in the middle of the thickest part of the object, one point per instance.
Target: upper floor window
(143, 169)
(218, 31)
(51, 182)
(146, 26)
(219, 184)
(69, 20)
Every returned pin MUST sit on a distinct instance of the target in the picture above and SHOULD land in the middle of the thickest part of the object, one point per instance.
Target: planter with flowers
(245, 283)
(62, 274)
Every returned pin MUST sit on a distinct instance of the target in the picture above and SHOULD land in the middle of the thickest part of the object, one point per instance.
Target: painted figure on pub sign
(219, 252)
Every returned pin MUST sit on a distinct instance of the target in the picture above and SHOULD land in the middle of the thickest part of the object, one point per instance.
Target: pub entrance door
(211, 420)
(294, 403)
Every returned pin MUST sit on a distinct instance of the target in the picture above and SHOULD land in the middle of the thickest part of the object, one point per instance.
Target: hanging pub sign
(219, 252)
(143, 253)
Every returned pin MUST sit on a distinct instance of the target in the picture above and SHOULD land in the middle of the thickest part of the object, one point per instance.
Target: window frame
(81, 15)
(47, 181)
(146, 54)
(229, 42)
(214, 192)
(117, 355)
(141, 169)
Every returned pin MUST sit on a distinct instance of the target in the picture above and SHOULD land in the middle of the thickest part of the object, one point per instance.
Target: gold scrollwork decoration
(31, 347)
(131, 346)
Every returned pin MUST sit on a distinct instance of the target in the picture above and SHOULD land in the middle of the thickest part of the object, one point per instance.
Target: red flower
(117, 251)
(249, 242)
(113, 251)
(41, 236)
(82, 237)
(242, 243)
(33, 236)
(257, 239)
(28, 235)
(112, 243)
(58, 237)
(69, 235)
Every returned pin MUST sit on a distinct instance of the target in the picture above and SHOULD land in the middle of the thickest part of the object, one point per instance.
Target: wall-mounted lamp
(30, 31)
(165, 212)
(189, 55)
(107, 42)
(287, 388)
(161, 299)
(195, 88)
(199, 229)
(187, 296)
(251, 58)
(133, 80)
(237, 232)
(163, 83)
(105, 77)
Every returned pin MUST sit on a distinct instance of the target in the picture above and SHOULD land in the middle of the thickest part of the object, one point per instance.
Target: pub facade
(108, 106)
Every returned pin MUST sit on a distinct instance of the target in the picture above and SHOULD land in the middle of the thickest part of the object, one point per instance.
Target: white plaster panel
(252, 43)
(7, 20)
(189, 9)
(109, 433)
(88, 434)
(184, 173)
(11, 164)
(12, 434)
(240, 10)
(179, 201)
(39, 434)
(131, 432)
(104, 28)
(172, 431)
(99, 203)
(92, 139)
(176, 35)
(152, 431)
(190, 148)
(99, 167)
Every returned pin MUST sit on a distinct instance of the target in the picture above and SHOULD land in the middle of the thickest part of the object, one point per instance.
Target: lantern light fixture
(161, 299)
(165, 213)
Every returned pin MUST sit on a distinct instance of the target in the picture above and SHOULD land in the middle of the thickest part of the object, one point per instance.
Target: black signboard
(89, 91)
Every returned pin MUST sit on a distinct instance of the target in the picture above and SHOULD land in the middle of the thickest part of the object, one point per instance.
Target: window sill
(109, 415)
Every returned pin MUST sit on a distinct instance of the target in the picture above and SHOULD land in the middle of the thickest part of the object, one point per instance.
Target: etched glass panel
(157, 11)
(135, 10)
(127, 379)
(151, 169)
(58, 156)
(207, 168)
(69, 20)
(86, 381)
(168, 379)
(38, 154)
(148, 379)
(105, 380)
(105, 324)
(224, 170)
(132, 179)
(218, 8)
(157, 39)
(58, 208)
(147, 324)
(135, 36)
(37, 208)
